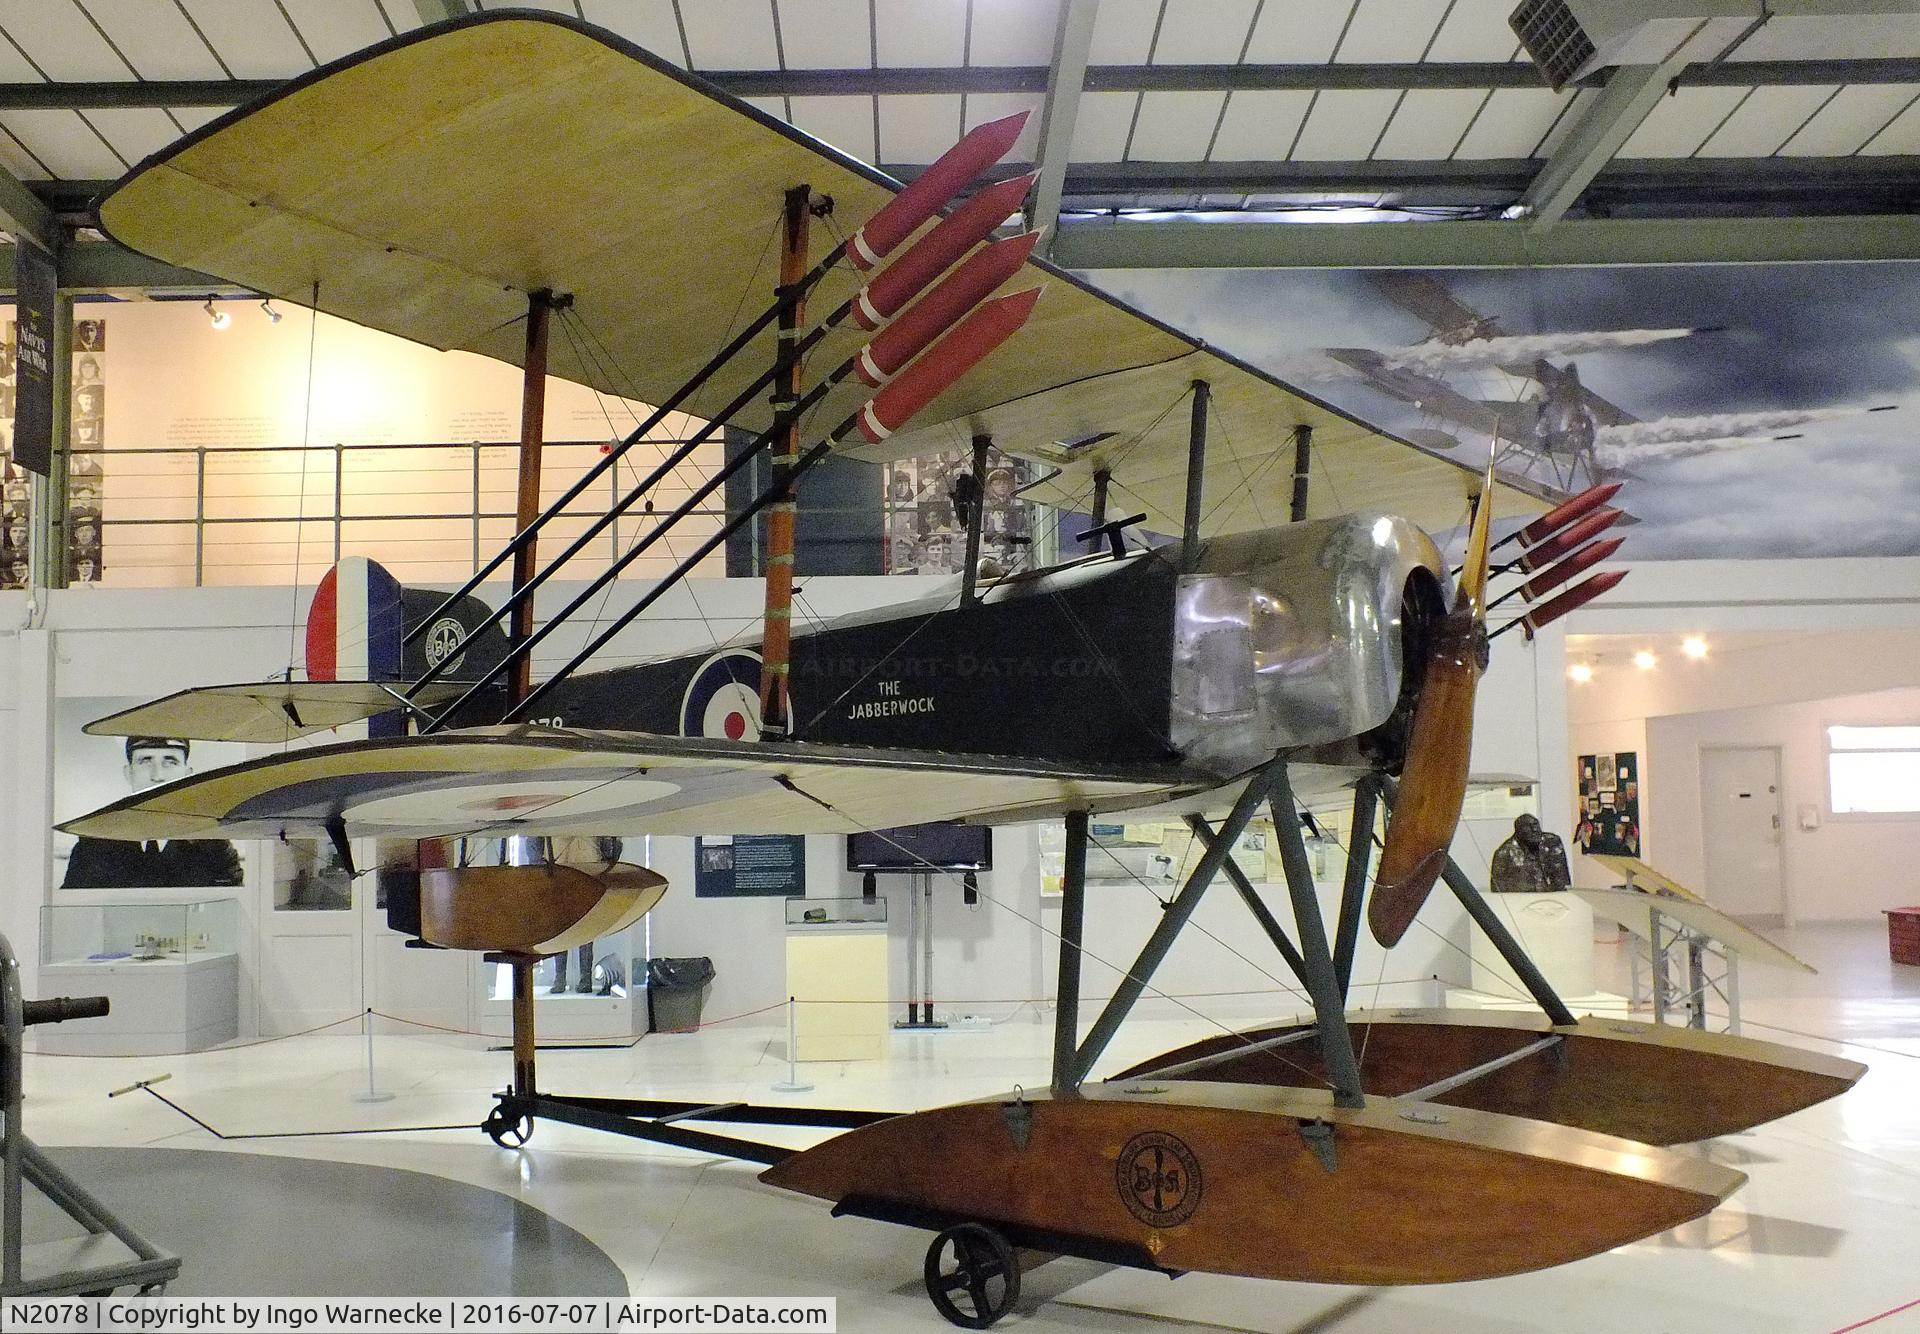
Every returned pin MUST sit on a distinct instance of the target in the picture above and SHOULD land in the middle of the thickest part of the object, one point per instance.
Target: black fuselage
(1072, 664)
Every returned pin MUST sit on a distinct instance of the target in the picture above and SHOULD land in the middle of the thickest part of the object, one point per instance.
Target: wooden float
(1657, 1084)
(1261, 1181)
(533, 910)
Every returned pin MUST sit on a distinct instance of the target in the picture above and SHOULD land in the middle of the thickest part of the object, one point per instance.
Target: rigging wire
(666, 539)
(1085, 953)
(300, 511)
(1194, 924)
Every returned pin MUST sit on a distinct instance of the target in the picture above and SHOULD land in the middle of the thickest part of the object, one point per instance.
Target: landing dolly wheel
(509, 1132)
(983, 1281)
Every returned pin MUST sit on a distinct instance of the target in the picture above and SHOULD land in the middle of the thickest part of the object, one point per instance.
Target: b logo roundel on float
(723, 699)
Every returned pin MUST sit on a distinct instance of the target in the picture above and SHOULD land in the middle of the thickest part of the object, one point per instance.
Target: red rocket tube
(1585, 558)
(980, 148)
(930, 256)
(957, 293)
(1567, 540)
(1572, 600)
(990, 325)
(1566, 512)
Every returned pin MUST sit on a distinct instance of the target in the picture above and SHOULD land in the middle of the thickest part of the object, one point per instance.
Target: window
(1874, 770)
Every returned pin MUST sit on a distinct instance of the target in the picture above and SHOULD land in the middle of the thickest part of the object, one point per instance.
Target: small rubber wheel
(972, 1275)
(509, 1132)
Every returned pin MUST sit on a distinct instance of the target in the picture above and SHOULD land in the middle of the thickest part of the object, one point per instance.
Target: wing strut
(976, 519)
(776, 635)
(533, 414)
(1196, 475)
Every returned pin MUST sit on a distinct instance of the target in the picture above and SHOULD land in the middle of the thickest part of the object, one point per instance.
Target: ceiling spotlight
(273, 316)
(1694, 647)
(1645, 660)
(219, 318)
(1581, 672)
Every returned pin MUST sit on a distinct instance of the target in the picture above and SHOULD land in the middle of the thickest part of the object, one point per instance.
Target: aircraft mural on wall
(1750, 410)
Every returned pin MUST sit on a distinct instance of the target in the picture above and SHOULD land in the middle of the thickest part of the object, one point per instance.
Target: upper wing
(427, 185)
(265, 712)
(545, 780)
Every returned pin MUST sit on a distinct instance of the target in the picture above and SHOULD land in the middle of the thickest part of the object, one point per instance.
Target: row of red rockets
(1557, 545)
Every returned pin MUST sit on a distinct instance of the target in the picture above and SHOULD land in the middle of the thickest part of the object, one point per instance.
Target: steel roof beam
(111, 94)
(1638, 182)
(1030, 79)
(1268, 78)
(106, 266)
(1610, 118)
(1101, 244)
(23, 214)
(1072, 39)
(439, 11)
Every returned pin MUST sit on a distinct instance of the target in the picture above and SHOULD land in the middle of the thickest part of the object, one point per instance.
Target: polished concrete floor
(1822, 1237)
(266, 1225)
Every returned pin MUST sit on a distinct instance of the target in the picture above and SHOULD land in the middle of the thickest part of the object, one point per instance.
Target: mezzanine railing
(189, 516)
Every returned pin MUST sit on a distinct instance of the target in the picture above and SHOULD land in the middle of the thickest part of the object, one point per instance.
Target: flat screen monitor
(922, 847)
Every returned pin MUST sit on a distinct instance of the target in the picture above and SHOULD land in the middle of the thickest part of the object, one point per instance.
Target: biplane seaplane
(1300, 634)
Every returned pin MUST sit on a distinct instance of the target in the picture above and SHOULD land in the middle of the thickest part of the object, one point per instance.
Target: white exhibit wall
(1793, 645)
(1849, 867)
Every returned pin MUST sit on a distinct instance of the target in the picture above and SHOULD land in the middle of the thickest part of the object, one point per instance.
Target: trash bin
(677, 993)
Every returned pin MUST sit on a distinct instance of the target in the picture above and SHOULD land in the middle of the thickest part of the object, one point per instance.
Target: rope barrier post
(792, 1083)
(372, 1093)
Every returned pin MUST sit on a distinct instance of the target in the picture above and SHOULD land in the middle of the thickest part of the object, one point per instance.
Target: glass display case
(836, 913)
(168, 969)
(103, 933)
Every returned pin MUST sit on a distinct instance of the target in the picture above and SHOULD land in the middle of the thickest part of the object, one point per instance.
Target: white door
(1740, 827)
(407, 987)
(310, 941)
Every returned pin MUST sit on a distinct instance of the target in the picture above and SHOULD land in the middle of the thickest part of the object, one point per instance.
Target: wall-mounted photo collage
(85, 474)
(1608, 804)
(925, 534)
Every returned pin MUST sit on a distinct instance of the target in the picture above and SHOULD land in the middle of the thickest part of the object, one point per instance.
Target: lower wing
(545, 780)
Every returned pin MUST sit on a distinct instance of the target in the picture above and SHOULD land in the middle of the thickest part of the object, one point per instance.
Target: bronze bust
(1531, 862)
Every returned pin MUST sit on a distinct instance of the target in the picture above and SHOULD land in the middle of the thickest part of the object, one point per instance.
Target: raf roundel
(723, 699)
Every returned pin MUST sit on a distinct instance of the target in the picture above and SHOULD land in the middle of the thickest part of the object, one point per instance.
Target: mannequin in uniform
(588, 853)
(1531, 862)
(105, 863)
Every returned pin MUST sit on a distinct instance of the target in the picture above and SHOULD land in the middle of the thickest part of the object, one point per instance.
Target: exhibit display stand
(166, 964)
(1556, 929)
(837, 976)
(1687, 951)
(608, 1004)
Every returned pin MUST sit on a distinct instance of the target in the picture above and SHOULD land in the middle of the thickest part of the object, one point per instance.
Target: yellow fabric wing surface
(428, 185)
(504, 780)
(263, 712)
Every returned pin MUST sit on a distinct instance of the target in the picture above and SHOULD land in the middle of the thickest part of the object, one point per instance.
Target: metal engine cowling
(1297, 637)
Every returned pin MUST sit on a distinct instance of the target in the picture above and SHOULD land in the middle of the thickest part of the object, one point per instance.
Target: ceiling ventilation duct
(1569, 40)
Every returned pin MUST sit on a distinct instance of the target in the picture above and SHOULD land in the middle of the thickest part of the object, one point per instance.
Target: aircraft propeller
(1433, 782)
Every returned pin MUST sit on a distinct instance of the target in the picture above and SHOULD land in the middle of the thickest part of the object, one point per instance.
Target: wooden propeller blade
(1433, 782)
(1473, 570)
